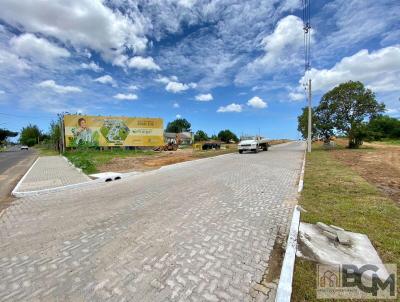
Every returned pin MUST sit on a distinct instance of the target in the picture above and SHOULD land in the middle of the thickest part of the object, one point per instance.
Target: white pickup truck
(252, 143)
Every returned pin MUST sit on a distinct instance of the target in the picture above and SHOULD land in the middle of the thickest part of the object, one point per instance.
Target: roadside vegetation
(89, 160)
(335, 194)
(352, 111)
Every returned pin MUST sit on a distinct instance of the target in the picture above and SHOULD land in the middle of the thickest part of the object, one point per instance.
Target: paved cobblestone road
(198, 231)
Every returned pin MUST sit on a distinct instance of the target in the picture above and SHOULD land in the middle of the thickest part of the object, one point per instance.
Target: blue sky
(219, 64)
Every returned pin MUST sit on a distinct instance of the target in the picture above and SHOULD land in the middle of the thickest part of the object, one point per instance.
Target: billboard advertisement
(107, 131)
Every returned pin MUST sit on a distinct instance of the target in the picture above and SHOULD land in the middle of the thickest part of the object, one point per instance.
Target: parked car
(24, 147)
(211, 145)
(253, 144)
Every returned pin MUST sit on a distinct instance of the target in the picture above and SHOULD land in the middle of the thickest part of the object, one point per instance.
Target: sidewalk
(50, 172)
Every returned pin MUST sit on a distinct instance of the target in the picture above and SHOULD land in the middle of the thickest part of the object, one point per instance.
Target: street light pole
(309, 117)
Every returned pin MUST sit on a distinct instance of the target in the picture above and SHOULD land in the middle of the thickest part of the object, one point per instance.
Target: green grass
(334, 194)
(390, 141)
(45, 151)
(89, 160)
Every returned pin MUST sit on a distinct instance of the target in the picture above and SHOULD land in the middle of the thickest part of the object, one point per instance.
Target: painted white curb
(284, 290)
(73, 166)
(23, 178)
(301, 181)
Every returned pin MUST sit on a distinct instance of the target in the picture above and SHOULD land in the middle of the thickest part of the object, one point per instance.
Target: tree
(200, 135)
(55, 135)
(227, 135)
(4, 134)
(179, 125)
(348, 106)
(30, 135)
(302, 126)
(322, 126)
(384, 126)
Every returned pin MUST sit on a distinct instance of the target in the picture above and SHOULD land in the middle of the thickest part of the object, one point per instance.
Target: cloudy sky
(221, 64)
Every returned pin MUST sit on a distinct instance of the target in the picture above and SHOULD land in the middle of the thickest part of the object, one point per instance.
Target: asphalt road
(13, 165)
(197, 231)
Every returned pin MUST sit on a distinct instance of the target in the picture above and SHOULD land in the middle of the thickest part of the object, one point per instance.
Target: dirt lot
(378, 163)
(145, 163)
(155, 161)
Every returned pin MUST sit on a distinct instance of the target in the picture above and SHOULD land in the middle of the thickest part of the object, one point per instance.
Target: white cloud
(129, 96)
(231, 108)
(82, 23)
(204, 97)
(166, 80)
(92, 66)
(10, 62)
(257, 102)
(379, 70)
(282, 50)
(133, 87)
(176, 87)
(143, 63)
(50, 84)
(178, 116)
(2, 92)
(175, 105)
(296, 96)
(38, 49)
(105, 79)
(187, 3)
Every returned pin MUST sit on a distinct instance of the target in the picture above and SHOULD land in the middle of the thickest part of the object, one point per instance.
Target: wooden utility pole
(309, 117)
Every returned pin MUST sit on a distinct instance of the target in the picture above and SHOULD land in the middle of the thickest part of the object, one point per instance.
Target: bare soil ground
(145, 163)
(155, 161)
(164, 158)
(379, 165)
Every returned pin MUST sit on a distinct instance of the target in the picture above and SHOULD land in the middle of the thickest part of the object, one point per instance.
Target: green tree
(227, 135)
(384, 126)
(322, 126)
(4, 134)
(55, 135)
(178, 125)
(302, 125)
(200, 135)
(348, 106)
(30, 135)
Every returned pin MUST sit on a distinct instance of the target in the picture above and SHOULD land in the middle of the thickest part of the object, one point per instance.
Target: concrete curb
(57, 189)
(14, 191)
(301, 181)
(76, 168)
(284, 290)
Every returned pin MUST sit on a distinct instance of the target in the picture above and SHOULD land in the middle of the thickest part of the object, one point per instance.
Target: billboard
(107, 131)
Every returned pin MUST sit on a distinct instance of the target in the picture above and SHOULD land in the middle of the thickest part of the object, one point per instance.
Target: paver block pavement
(199, 231)
(51, 172)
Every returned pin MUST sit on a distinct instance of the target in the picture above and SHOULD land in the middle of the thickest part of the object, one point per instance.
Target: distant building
(186, 138)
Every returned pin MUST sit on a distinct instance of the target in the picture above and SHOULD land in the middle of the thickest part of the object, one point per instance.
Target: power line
(307, 34)
(307, 63)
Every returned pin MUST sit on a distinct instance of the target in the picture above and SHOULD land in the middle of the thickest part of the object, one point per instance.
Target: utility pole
(62, 132)
(309, 117)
